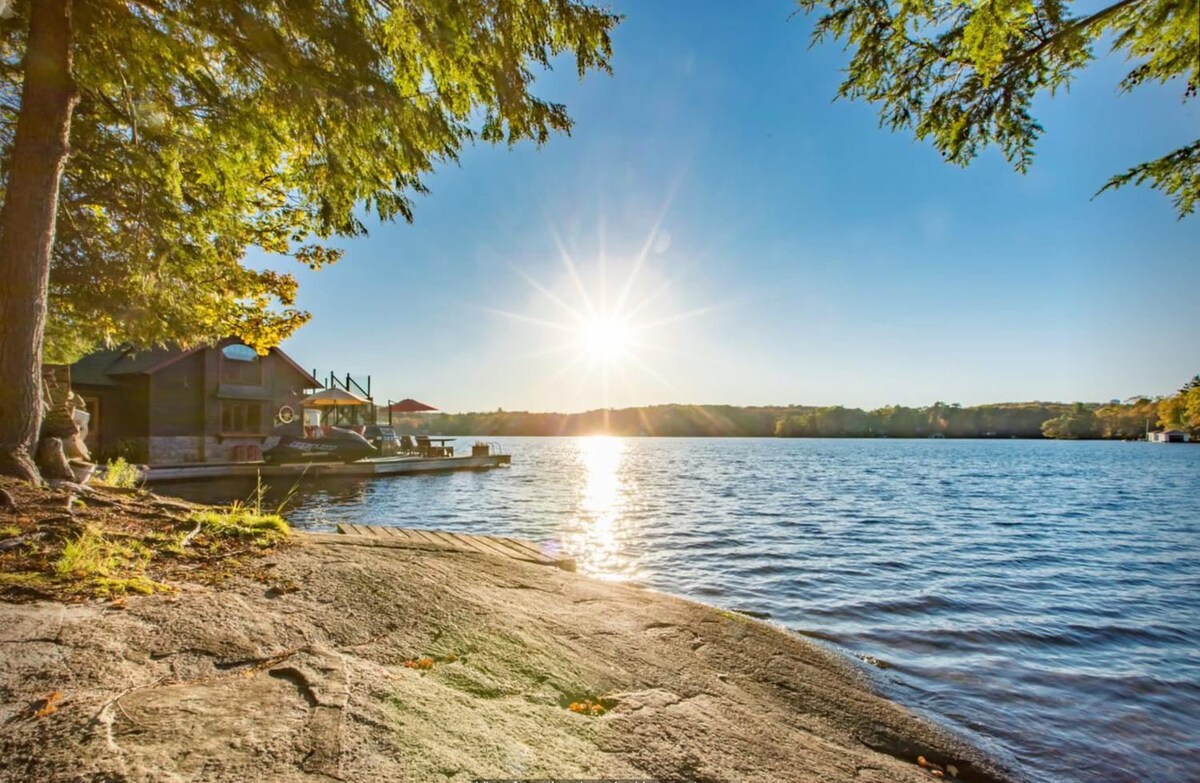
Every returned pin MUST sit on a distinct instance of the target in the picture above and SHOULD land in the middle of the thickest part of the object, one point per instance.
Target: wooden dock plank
(446, 538)
(519, 553)
(424, 536)
(473, 543)
(523, 545)
(493, 548)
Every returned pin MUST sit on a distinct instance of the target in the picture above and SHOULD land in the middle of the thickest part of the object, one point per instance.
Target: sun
(605, 328)
(604, 340)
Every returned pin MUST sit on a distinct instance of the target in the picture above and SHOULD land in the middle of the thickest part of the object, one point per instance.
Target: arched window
(239, 353)
(241, 364)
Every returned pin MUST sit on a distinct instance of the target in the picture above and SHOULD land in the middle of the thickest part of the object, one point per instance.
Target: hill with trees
(1079, 420)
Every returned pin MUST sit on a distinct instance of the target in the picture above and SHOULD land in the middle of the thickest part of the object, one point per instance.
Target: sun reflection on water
(596, 539)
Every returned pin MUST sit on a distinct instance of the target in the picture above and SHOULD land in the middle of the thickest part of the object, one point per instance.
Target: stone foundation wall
(165, 450)
(175, 450)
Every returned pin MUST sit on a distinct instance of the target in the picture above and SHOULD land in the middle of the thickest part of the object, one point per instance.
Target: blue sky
(802, 254)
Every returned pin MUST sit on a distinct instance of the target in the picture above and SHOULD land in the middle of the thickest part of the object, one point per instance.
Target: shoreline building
(167, 406)
(1167, 436)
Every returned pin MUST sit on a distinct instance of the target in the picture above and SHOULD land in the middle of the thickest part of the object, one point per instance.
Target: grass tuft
(120, 474)
(28, 579)
(105, 566)
(243, 523)
(125, 542)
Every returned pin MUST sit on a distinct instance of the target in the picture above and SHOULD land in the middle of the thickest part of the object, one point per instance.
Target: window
(241, 365)
(241, 417)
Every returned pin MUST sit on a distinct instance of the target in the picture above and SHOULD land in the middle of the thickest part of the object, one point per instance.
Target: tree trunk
(39, 152)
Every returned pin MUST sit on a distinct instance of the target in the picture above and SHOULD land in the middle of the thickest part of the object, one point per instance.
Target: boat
(293, 441)
(337, 444)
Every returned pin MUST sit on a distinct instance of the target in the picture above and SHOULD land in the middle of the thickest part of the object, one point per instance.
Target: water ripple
(1042, 598)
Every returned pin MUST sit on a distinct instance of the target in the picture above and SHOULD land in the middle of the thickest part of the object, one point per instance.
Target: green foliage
(659, 420)
(240, 522)
(1005, 420)
(1172, 412)
(964, 75)
(119, 473)
(832, 422)
(101, 565)
(1176, 174)
(1130, 420)
(1000, 420)
(1076, 424)
(207, 127)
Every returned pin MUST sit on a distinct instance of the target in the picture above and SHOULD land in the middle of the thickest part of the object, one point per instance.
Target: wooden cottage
(172, 405)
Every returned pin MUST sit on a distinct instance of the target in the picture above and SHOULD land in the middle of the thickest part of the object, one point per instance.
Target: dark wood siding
(124, 420)
(176, 398)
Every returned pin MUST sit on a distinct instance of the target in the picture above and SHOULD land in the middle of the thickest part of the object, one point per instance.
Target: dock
(377, 466)
(493, 546)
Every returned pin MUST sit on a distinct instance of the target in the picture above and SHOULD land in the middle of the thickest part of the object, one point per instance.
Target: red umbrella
(410, 405)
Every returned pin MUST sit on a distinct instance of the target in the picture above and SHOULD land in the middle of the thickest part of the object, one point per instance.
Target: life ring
(286, 415)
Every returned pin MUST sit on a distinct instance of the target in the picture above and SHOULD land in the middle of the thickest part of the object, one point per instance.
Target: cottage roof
(97, 369)
(92, 370)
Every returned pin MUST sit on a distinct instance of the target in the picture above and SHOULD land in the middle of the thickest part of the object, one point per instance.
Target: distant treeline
(1126, 419)
(1179, 411)
(662, 420)
(1002, 420)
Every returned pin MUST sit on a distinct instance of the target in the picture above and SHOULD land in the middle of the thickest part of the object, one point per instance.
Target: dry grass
(118, 541)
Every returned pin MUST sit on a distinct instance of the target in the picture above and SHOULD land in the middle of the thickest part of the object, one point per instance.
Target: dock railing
(482, 448)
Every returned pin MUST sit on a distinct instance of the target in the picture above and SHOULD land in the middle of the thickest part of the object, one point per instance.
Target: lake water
(1042, 598)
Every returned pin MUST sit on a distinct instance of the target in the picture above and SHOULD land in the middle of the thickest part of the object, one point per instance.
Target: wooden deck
(495, 546)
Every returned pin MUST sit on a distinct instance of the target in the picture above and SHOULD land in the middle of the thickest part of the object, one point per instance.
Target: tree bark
(39, 153)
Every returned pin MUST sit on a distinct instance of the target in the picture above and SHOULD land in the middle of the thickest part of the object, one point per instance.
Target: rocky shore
(336, 661)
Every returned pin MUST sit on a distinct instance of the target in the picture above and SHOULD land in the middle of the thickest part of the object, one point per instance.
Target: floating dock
(366, 468)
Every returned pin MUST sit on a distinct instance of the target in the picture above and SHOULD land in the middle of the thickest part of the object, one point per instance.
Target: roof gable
(97, 369)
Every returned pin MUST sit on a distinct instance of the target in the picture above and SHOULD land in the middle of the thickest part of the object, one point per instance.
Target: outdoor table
(440, 449)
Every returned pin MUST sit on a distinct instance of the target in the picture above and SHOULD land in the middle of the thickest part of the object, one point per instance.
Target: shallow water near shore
(1041, 597)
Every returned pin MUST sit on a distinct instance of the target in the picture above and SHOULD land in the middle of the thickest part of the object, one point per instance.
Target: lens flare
(606, 328)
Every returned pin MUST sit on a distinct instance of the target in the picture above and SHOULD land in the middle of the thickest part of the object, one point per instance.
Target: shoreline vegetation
(1128, 420)
(251, 652)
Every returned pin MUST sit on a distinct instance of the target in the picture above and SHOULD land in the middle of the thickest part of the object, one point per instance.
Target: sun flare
(606, 328)
(604, 340)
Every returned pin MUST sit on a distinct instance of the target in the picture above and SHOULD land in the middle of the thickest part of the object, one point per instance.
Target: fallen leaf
(48, 705)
